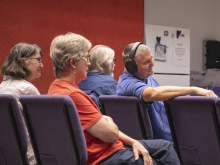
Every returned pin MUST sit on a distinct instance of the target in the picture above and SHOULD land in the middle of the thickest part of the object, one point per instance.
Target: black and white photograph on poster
(160, 50)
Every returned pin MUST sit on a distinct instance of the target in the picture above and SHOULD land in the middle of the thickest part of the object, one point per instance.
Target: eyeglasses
(85, 58)
(39, 59)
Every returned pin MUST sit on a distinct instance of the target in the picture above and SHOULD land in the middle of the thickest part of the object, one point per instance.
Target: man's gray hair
(65, 47)
(101, 59)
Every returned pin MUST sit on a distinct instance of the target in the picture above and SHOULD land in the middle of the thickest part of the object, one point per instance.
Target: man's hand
(204, 92)
(139, 149)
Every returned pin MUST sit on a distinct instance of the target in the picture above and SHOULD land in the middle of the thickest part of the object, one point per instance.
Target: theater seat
(195, 129)
(55, 130)
(128, 114)
(12, 137)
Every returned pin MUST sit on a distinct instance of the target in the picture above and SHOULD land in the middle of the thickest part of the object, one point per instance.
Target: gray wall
(217, 20)
(201, 17)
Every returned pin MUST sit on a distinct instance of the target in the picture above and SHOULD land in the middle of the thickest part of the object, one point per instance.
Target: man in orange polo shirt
(105, 142)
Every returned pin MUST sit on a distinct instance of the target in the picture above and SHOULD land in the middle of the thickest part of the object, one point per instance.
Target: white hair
(66, 47)
(101, 59)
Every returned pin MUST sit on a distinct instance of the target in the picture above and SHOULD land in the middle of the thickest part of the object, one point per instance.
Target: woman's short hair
(66, 47)
(14, 63)
(101, 59)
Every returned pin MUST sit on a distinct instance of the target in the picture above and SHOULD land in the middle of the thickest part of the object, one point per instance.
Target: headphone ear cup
(131, 66)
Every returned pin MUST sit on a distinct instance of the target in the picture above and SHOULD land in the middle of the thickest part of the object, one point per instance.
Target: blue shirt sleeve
(129, 85)
(138, 89)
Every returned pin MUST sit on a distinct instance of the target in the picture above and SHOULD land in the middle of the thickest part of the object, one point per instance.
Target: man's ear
(73, 63)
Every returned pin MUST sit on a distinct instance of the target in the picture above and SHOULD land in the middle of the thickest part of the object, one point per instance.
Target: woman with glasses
(22, 65)
(100, 80)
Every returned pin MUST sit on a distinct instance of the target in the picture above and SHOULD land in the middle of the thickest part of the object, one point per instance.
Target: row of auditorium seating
(57, 138)
(194, 122)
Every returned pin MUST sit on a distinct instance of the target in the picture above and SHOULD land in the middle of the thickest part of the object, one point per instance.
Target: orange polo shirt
(89, 114)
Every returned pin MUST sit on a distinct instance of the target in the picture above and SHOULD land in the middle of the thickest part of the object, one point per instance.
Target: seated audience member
(106, 144)
(137, 80)
(100, 79)
(22, 65)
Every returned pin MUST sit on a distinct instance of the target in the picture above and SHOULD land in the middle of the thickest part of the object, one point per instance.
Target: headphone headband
(134, 49)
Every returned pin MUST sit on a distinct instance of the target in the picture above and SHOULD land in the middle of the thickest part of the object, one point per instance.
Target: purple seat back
(217, 103)
(128, 114)
(55, 130)
(195, 130)
(12, 138)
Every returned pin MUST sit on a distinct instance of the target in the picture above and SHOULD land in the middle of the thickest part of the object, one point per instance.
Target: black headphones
(129, 61)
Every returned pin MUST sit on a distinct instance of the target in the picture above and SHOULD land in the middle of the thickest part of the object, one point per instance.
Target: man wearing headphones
(137, 81)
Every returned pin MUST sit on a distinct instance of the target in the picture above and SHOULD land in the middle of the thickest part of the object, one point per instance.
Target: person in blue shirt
(100, 80)
(137, 80)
